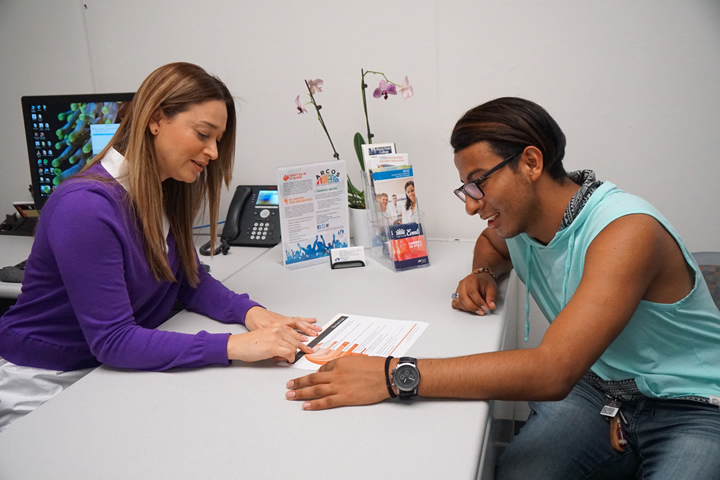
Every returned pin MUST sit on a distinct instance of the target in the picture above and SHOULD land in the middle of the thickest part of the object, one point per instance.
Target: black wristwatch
(406, 377)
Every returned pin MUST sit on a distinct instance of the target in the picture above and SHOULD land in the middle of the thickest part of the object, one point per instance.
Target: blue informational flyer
(400, 237)
(313, 211)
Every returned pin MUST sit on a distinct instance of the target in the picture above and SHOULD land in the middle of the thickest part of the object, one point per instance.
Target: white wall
(633, 84)
(43, 50)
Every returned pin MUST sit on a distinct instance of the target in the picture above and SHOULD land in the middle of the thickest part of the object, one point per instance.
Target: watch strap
(407, 395)
(387, 377)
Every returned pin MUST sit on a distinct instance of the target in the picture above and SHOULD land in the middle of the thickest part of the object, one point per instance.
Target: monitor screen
(65, 131)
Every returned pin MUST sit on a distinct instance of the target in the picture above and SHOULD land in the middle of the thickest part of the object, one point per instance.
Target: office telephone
(253, 218)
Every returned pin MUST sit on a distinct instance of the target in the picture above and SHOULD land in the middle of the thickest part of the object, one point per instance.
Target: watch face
(406, 377)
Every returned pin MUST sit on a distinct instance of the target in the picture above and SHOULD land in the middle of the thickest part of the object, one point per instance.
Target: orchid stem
(364, 99)
(322, 122)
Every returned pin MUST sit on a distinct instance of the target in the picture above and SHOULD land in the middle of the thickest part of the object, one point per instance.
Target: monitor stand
(18, 226)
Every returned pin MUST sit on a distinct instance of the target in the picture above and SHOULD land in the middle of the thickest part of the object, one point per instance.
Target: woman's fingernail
(290, 395)
(306, 405)
(290, 384)
(304, 338)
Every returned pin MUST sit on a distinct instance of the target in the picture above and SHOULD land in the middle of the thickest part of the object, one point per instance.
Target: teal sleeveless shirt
(670, 350)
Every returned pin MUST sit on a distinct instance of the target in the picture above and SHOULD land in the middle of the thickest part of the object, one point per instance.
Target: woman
(114, 251)
(410, 212)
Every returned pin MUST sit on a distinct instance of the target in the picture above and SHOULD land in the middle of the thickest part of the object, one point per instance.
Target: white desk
(236, 423)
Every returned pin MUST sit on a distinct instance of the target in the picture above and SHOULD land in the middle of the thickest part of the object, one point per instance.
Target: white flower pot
(360, 227)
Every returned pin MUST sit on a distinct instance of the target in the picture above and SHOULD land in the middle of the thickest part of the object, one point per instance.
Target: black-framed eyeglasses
(473, 190)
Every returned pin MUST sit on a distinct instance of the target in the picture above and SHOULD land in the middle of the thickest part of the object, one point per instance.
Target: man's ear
(532, 162)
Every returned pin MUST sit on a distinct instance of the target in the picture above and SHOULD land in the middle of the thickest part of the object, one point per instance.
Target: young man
(393, 211)
(633, 326)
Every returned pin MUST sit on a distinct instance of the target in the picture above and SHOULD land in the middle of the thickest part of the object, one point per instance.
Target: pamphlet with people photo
(397, 217)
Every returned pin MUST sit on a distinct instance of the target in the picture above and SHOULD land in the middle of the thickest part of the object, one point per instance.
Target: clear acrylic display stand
(381, 246)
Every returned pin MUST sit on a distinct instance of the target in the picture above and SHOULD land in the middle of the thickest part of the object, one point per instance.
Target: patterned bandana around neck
(588, 184)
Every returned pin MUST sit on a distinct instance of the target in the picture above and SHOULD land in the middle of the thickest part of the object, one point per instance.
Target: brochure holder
(399, 246)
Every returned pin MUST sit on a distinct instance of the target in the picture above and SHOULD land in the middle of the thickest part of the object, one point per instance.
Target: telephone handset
(232, 222)
(253, 219)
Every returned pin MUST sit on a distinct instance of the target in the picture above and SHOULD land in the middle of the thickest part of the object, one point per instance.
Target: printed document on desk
(347, 335)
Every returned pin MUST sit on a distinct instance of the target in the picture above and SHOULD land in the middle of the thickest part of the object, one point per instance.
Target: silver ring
(454, 295)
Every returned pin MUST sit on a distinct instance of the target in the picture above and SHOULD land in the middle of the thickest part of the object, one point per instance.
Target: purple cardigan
(89, 297)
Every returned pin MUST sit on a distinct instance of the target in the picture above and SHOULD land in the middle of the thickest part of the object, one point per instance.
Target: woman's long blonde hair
(172, 89)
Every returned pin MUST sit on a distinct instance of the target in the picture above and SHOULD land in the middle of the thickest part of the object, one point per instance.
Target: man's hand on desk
(476, 293)
(353, 380)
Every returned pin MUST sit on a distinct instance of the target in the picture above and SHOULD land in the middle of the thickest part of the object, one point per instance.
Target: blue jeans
(569, 439)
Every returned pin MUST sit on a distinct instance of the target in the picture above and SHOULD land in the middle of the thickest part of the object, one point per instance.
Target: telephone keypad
(261, 230)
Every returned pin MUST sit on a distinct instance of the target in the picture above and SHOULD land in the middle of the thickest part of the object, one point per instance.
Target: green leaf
(356, 198)
(352, 190)
(359, 141)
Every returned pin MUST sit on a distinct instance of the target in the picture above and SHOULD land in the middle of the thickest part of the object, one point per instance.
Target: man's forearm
(511, 375)
(487, 253)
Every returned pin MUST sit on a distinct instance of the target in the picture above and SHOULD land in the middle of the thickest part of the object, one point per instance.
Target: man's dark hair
(510, 124)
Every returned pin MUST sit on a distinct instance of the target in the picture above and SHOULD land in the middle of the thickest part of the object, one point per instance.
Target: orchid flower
(312, 86)
(384, 89)
(315, 85)
(406, 89)
(300, 108)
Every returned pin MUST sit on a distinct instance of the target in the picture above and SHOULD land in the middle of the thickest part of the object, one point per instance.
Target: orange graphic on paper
(325, 354)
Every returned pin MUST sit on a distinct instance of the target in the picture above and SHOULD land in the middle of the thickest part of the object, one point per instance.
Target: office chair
(710, 266)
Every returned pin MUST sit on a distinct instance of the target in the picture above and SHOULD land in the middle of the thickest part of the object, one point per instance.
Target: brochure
(397, 218)
(313, 211)
(408, 246)
(347, 335)
(398, 185)
(372, 149)
(390, 160)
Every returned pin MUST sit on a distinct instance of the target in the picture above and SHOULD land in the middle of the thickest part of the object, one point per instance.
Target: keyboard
(22, 227)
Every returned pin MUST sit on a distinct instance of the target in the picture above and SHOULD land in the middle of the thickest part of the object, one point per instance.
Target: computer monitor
(64, 131)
